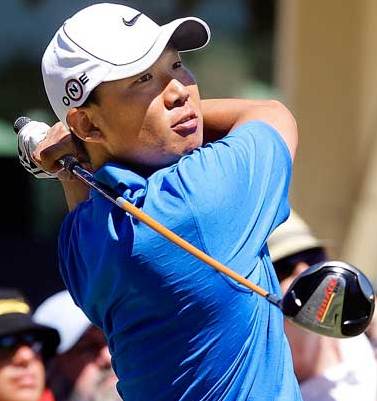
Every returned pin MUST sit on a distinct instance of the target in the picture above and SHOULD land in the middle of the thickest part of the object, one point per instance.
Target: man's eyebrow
(137, 76)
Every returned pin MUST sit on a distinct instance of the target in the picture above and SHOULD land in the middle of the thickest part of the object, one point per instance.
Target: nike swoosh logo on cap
(132, 21)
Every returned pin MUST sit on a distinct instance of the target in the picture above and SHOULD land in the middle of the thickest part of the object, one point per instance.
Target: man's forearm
(222, 115)
(75, 192)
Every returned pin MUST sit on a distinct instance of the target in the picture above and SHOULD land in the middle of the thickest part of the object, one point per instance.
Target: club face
(332, 298)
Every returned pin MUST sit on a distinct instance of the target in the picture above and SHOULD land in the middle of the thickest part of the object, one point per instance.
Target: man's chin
(197, 143)
(27, 394)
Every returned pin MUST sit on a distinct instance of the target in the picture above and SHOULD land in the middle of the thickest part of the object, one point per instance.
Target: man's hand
(28, 139)
(41, 148)
(57, 143)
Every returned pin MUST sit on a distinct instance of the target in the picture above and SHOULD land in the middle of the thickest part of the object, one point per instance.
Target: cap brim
(185, 34)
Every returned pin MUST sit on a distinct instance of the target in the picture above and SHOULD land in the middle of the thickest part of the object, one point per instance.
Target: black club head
(332, 298)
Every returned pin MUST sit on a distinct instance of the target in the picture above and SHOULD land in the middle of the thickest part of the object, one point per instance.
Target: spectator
(82, 370)
(328, 369)
(24, 348)
(372, 333)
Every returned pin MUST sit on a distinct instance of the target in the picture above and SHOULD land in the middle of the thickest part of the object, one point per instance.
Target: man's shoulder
(245, 145)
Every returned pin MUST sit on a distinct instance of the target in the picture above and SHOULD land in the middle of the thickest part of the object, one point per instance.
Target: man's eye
(177, 64)
(145, 78)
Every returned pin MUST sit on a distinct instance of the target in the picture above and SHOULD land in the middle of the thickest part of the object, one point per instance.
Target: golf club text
(329, 290)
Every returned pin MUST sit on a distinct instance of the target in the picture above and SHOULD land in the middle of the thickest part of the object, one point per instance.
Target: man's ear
(80, 123)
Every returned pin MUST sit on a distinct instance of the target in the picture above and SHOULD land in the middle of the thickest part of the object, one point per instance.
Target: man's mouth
(186, 125)
(26, 381)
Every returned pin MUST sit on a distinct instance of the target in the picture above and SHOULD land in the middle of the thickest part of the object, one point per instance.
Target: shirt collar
(122, 180)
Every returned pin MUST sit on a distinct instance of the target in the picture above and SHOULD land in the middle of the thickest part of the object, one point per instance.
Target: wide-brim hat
(292, 237)
(72, 322)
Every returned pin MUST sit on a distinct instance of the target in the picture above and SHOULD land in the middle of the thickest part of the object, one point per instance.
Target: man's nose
(24, 355)
(104, 358)
(175, 94)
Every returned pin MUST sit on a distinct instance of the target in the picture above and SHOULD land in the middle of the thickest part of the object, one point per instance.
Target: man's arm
(222, 115)
(75, 192)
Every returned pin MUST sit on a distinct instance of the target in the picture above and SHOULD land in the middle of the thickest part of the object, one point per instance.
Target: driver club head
(332, 298)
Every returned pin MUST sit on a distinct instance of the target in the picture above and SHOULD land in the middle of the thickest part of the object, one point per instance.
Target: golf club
(332, 298)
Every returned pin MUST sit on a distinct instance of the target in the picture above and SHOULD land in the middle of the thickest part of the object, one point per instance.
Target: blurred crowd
(328, 369)
(56, 354)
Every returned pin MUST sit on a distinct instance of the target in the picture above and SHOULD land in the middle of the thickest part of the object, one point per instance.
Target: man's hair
(285, 266)
(91, 99)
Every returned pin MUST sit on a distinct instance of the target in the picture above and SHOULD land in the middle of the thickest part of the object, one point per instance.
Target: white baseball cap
(60, 312)
(106, 42)
(292, 237)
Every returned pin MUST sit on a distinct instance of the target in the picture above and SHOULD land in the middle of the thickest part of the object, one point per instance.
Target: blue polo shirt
(178, 330)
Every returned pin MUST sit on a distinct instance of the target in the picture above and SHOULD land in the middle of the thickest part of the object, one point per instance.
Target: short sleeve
(77, 260)
(237, 189)
(65, 252)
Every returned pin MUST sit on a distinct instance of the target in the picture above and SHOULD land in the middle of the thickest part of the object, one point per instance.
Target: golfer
(216, 172)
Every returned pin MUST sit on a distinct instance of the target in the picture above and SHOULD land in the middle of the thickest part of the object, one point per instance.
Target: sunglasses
(10, 344)
(284, 267)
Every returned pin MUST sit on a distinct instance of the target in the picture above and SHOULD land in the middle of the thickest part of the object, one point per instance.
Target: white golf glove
(28, 138)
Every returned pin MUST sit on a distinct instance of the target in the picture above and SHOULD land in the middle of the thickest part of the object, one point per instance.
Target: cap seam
(106, 61)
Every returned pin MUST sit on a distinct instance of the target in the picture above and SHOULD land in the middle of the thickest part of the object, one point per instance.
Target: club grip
(20, 123)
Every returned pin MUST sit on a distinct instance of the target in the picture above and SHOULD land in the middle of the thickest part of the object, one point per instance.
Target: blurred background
(317, 57)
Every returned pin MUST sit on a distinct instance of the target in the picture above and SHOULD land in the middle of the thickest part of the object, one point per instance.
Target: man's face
(151, 119)
(303, 343)
(86, 369)
(22, 374)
